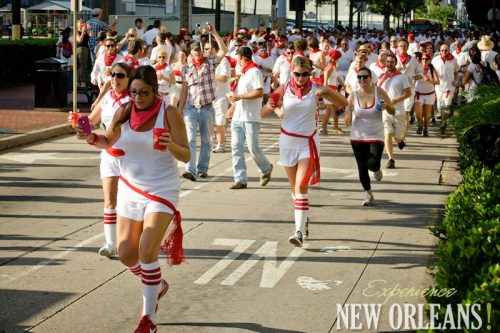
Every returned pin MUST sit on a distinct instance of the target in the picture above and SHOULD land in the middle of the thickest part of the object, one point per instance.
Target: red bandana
(198, 64)
(448, 57)
(232, 61)
(404, 58)
(386, 76)
(379, 65)
(118, 98)
(261, 56)
(299, 53)
(133, 63)
(140, 117)
(299, 89)
(108, 60)
(159, 67)
(248, 65)
(315, 50)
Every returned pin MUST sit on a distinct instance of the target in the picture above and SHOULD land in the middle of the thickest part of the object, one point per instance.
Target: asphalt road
(241, 273)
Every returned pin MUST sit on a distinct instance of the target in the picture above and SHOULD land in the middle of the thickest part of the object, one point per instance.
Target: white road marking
(310, 283)
(353, 173)
(240, 246)
(271, 273)
(332, 249)
(29, 158)
(60, 255)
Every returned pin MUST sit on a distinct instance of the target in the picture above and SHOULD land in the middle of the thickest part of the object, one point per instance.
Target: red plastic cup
(157, 132)
(275, 97)
(74, 119)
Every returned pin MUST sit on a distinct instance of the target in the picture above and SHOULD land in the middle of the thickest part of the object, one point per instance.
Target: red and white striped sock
(151, 284)
(136, 270)
(109, 219)
(301, 211)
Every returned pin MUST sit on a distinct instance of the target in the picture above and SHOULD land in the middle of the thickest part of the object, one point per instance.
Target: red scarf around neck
(161, 67)
(133, 63)
(299, 53)
(247, 66)
(386, 76)
(404, 58)
(315, 50)
(117, 98)
(447, 57)
(261, 56)
(108, 60)
(379, 65)
(298, 88)
(140, 117)
(198, 64)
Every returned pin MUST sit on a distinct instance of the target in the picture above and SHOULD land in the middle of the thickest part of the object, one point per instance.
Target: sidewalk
(20, 124)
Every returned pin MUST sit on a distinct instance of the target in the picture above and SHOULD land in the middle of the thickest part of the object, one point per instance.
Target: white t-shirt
(375, 68)
(410, 69)
(395, 87)
(282, 67)
(265, 63)
(446, 72)
(249, 109)
(150, 35)
(345, 61)
(165, 47)
(222, 88)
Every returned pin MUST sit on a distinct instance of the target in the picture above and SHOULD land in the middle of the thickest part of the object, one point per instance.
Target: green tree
(396, 8)
(435, 10)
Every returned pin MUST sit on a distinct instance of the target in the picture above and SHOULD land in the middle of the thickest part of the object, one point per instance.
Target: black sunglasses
(131, 35)
(363, 77)
(426, 59)
(118, 75)
(162, 57)
(303, 74)
(237, 45)
(109, 45)
(290, 53)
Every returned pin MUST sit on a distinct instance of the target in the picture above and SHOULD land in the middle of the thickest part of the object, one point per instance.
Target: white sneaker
(296, 239)
(378, 175)
(108, 250)
(369, 200)
(219, 149)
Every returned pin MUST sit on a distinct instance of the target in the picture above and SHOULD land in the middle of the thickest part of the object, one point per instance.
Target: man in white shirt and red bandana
(246, 119)
(196, 101)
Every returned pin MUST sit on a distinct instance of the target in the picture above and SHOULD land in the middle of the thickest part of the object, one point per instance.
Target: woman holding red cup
(299, 141)
(149, 185)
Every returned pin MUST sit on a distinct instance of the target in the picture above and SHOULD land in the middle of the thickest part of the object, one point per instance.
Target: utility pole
(350, 14)
(237, 16)
(217, 14)
(16, 19)
(336, 2)
(185, 15)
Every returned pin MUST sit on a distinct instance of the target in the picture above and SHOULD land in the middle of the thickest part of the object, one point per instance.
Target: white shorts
(175, 90)
(426, 99)
(135, 206)
(220, 106)
(110, 166)
(394, 124)
(294, 149)
(444, 99)
(408, 103)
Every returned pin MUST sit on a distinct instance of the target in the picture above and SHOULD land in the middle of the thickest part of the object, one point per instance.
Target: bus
(425, 25)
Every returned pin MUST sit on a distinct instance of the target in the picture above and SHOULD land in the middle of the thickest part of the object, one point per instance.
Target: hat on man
(411, 36)
(245, 52)
(96, 11)
(485, 44)
(364, 48)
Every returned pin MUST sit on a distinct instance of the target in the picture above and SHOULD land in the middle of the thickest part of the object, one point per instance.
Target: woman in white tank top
(115, 98)
(299, 141)
(149, 185)
(366, 106)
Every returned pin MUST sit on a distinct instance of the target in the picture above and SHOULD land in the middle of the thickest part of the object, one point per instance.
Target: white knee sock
(136, 270)
(301, 211)
(109, 219)
(151, 284)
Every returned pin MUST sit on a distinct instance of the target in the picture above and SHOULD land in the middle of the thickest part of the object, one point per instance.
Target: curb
(38, 135)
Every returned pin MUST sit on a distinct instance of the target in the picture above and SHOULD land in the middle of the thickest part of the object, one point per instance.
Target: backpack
(67, 50)
(488, 75)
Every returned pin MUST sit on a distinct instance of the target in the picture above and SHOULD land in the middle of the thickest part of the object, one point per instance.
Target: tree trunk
(217, 15)
(185, 14)
(237, 16)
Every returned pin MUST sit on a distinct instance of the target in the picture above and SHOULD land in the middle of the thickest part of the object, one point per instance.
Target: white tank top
(423, 86)
(109, 107)
(152, 171)
(299, 116)
(367, 123)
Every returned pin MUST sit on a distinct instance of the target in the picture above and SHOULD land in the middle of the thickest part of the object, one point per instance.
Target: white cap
(96, 11)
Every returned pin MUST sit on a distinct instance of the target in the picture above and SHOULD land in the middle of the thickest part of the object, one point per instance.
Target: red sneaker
(163, 291)
(146, 326)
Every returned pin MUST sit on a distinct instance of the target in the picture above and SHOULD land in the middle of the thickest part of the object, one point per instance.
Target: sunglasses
(162, 57)
(363, 77)
(133, 94)
(109, 45)
(208, 49)
(303, 74)
(131, 35)
(237, 45)
(118, 75)
(426, 59)
(290, 53)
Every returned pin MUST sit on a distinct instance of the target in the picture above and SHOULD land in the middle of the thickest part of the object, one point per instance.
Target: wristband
(95, 141)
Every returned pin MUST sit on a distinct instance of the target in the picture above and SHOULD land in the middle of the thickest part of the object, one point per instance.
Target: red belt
(172, 246)
(314, 166)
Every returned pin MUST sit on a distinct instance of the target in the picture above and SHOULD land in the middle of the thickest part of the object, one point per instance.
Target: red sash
(314, 166)
(386, 76)
(172, 245)
(115, 152)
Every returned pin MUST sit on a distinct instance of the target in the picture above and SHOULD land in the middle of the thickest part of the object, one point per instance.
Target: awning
(56, 5)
